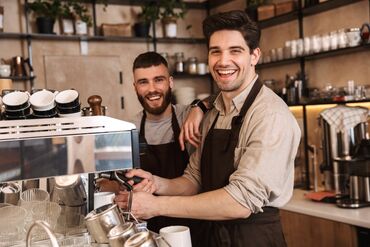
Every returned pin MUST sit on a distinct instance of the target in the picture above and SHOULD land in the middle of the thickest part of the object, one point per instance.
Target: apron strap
(237, 121)
(175, 128)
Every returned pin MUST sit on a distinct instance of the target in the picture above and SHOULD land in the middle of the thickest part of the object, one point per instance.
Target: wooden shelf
(312, 10)
(186, 75)
(13, 36)
(325, 6)
(280, 19)
(19, 78)
(329, 102)
(39, 36)
(182, 40)
(203, 5)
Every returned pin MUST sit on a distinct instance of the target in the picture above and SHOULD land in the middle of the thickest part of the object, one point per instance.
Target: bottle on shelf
(179, 62)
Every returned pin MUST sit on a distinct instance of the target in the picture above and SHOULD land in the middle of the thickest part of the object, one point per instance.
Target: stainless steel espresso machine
(345, 163)
(49, 148)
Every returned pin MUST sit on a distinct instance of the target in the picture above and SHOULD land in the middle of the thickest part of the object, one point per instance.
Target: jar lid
(192, 59)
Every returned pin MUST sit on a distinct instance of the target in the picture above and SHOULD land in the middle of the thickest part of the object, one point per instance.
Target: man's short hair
(149, 59)
(233, 20)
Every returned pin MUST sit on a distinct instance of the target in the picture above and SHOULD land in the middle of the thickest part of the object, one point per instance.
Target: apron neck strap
(174, 124)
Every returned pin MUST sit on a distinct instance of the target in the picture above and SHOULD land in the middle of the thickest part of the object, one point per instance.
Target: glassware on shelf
(192, 65)
(342, 39)
(333, 40)
(179, 62)
(316, 43)
(325, 41)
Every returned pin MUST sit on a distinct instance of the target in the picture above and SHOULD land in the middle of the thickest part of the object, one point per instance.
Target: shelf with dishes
(303, 12)
(329, 102)
(324, 54)
(189, 5)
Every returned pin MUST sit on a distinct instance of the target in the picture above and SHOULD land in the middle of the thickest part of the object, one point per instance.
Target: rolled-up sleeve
(264, 161)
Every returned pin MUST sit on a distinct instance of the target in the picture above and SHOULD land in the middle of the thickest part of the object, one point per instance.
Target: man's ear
(255, 56)
(134, 84)
(171, 82)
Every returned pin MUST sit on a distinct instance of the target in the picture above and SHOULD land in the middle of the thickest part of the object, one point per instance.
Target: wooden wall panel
(306, 231)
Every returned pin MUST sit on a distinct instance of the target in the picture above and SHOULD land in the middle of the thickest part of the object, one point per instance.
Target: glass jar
(333, 40)
(325, 42)
(192, 65)
(179, 62)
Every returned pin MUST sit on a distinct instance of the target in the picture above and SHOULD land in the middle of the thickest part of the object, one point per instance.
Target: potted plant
(170, 11)
(252, 6)
(66, 18)
(83, 18)
(149, 13)
(46, 11)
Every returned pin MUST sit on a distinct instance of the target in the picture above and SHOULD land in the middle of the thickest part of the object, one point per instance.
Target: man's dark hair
(233, 20)
(149, 59)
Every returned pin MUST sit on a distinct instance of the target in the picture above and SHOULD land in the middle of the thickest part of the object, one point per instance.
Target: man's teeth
(153, 97)
(226, 72)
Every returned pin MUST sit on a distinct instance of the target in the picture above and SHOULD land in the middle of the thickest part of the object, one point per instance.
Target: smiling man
(243, 170)
(159, 126)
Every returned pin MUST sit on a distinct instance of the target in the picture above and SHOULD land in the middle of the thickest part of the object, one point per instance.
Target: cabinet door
(89, 75)
(302, 230)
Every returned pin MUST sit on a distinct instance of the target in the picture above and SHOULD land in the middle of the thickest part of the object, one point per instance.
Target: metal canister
(141, 239)
(119, 234)
(70, 190)
(101, 220)
(9, 193)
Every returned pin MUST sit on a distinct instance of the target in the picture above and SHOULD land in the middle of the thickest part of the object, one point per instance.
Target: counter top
(299, 204)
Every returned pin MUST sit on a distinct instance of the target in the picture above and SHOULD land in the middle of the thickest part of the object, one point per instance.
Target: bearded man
(159, 126)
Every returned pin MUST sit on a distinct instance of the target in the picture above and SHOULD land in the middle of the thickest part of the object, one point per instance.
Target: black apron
(217, 164)
(164, 160)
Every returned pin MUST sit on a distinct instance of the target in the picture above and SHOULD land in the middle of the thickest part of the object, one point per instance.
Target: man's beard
(157, 110)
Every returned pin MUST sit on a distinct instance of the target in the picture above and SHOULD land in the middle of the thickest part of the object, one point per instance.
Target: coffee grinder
(343, 130)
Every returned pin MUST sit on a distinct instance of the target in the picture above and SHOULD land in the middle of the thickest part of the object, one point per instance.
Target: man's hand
(143, 204)
(190, 131)
(146, 185)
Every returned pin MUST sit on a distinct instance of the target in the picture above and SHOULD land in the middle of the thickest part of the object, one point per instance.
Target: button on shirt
(265, 154)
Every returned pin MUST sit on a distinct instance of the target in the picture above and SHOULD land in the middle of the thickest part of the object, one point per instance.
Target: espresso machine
(345, 163)
(65, 155)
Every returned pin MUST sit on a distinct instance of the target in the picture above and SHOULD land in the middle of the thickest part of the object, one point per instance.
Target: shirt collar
(237, 101)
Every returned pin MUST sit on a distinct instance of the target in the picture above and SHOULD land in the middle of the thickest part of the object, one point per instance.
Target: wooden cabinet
(303, 230)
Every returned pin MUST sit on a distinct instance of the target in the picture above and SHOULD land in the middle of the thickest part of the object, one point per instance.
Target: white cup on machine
(178, 236)
(103, 198)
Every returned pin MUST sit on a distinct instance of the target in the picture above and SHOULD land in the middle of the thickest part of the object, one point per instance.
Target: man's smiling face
(153, 88)
(230, 60)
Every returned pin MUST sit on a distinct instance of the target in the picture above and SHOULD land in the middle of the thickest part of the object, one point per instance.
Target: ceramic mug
(16, 100)
(178, 236)
(43, 100)
(103, 198)
(353, 36)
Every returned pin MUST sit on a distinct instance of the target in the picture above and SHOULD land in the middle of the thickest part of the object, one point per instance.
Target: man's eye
(236, 51)
(214, 52)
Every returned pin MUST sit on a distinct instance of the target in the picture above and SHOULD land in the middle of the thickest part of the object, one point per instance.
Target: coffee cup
(16, 100)
(43, 100)
(353, 36)
(103, 198)
(176, 235)
(5, 70)
(67, 99)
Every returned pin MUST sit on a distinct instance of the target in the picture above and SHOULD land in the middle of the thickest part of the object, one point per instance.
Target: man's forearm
(214, 205)
(180, 186)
